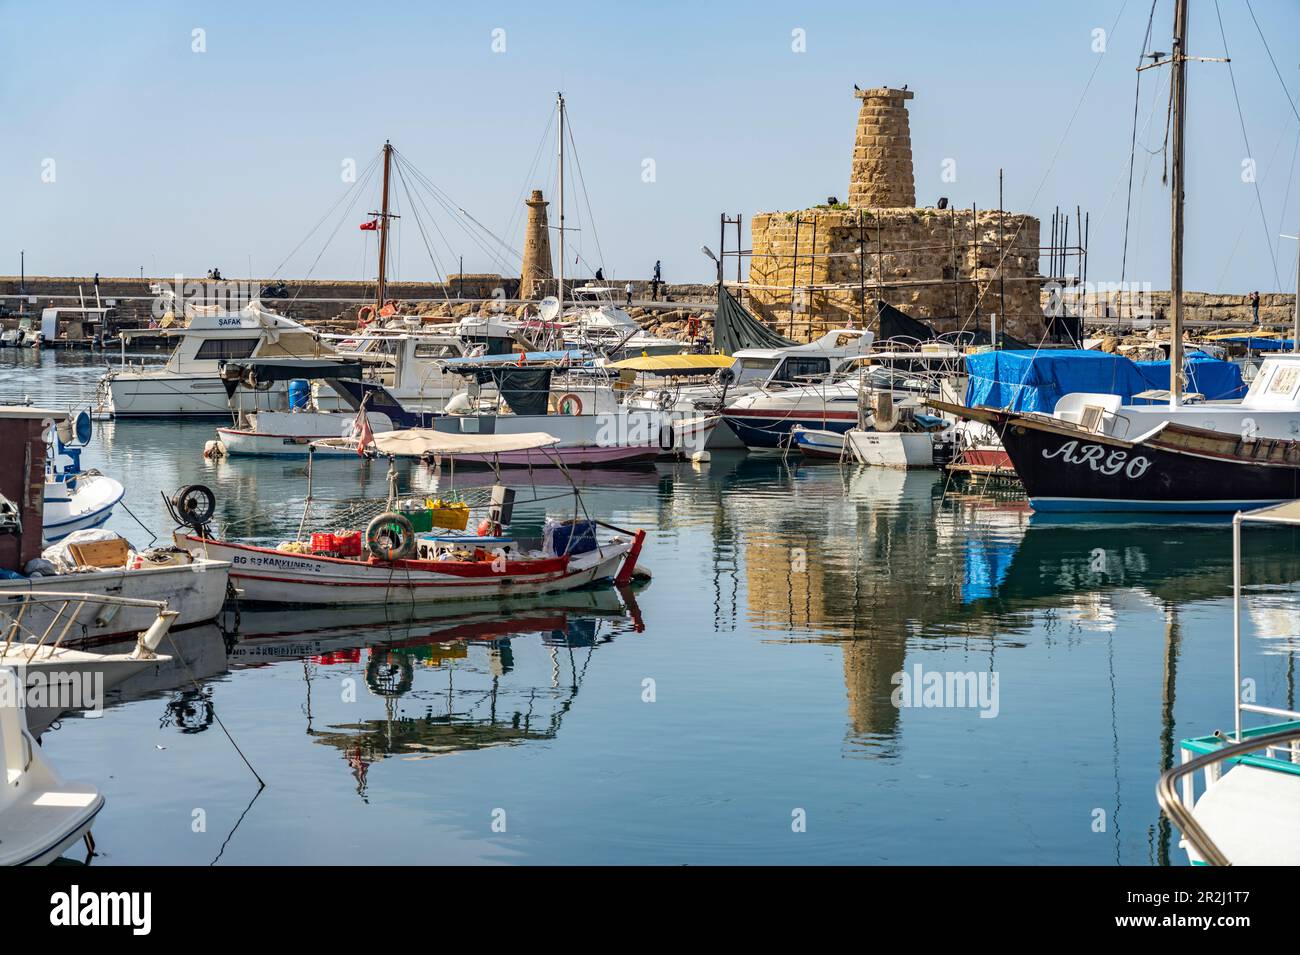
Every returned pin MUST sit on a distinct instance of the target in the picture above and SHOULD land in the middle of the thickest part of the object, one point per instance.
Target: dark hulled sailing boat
(1172, 466)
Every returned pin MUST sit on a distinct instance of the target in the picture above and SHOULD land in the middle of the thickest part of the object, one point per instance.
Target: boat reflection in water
(193, 656)
(441, 679)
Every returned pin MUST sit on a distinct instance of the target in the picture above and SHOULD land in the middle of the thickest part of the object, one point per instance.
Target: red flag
(370, 226)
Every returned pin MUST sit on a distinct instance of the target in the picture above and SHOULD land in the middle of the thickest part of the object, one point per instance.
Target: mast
(559, 98)
(1178, 94)
(383, 232)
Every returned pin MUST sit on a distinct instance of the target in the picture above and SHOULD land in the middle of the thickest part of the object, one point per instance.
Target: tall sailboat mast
(1178, 94)
(559, 98)
(383, 232)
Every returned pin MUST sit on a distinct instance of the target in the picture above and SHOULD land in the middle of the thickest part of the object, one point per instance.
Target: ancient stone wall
(939, 266)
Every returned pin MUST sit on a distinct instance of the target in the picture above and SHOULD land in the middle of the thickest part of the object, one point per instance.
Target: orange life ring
(563, 404)
(365, 315)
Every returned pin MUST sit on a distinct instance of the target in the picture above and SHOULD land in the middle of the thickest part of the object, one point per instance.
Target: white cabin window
(429, 350)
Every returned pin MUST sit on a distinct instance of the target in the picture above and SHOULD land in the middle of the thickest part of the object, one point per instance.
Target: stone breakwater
(332, 305)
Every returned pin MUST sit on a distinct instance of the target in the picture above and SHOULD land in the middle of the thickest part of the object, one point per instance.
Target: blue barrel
(299, 394)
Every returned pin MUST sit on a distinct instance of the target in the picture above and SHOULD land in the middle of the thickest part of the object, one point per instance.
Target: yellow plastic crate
(453, 516)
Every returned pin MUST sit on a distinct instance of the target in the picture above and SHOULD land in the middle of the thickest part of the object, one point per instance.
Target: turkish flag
(370, 226)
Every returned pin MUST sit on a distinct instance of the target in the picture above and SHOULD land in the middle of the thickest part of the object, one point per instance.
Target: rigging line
(420, 179)
(512, 222)
(417, 199)
(1132, 149)
(364, 175)
(1289, 100)
(586, 198)
(1010, 243)
(1241, 117)
(346, 212)
(419, 224)
(496, 259)
(450, 206)
(1244, 219)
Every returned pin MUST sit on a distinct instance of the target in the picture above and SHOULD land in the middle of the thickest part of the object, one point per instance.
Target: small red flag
(370, 226)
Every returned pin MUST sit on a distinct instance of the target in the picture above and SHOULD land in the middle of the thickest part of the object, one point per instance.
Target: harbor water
(744, 706)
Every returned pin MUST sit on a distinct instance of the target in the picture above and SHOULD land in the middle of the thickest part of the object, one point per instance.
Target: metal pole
(1002, 261)
(862, 269)
(559, 99)
(1236, 622)
(1296, 336)
(794, 273)
(383, 233)
(1179, 95)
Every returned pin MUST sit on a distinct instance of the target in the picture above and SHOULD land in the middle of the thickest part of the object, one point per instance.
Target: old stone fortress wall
(824, 267)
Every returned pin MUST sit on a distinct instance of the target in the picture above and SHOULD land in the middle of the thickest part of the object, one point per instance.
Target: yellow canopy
(674, 364)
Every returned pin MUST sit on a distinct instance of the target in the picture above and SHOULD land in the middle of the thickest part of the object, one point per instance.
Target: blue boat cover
(1214, 378)
(1262, 344)
(1035, 380)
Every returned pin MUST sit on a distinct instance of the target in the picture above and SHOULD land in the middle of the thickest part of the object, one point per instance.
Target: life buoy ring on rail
(390, 536)
(569, 404)
(365, 315)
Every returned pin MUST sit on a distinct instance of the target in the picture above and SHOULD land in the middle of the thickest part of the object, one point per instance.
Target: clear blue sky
(179, 161)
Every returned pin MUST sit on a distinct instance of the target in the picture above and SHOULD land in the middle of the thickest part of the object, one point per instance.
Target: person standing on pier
(1254, 307)
(658, 280)
(628, 289)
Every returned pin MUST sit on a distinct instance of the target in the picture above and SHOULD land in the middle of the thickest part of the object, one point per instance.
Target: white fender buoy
(214, 449)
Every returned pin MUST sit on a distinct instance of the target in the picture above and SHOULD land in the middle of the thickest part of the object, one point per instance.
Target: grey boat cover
(734, 328)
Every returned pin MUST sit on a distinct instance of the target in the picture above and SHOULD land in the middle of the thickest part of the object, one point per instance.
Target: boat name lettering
(280, 562)
(1095, 456)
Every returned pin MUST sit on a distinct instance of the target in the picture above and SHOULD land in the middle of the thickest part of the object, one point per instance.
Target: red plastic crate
(348, 544)
(322, 543)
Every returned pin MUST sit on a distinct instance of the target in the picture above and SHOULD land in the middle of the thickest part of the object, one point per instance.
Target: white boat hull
(892, 449)
(265, 575)
(196, 592)
(90, 505)
(1253, 815)
(40, 815)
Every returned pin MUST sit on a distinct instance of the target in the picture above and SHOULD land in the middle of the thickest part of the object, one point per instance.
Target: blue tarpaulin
(1214, 378)
(1035, 380)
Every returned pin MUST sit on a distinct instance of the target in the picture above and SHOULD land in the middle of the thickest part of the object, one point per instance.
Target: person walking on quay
(657, 280)
(1254, 307)
(628, 289)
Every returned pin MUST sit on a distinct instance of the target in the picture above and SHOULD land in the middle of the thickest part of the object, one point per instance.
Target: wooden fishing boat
(1174, 467)
(399, 564)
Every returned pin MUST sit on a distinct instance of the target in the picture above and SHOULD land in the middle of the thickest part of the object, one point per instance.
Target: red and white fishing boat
(397, 563)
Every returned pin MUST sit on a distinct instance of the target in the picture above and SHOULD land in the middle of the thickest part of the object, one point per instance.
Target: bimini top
(415, 442)
(674, 364)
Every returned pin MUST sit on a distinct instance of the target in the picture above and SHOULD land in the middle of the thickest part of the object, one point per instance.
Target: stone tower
(537, 271)
(882, 152)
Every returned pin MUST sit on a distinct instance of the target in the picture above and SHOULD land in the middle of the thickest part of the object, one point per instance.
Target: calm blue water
(784, 598)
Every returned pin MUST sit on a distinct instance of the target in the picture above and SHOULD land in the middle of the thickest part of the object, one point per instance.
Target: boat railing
(12, 618)
(1176, 789)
